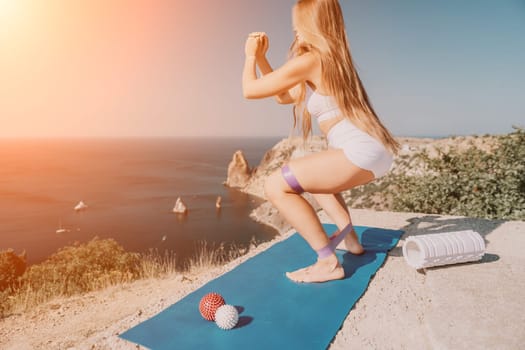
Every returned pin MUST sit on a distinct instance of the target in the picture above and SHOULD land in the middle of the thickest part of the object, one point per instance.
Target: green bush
(12, 266)
(472, 183)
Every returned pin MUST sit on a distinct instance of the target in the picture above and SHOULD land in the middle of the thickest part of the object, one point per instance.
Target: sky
(172, 68)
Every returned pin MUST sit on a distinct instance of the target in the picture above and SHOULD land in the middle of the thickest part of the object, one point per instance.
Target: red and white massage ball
(209, 305)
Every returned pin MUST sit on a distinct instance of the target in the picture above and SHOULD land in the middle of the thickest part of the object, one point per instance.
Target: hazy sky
(104, 68)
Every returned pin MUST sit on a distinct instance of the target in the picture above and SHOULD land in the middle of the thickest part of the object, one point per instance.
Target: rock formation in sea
(239, 171)
(80, 206)
(180, 207)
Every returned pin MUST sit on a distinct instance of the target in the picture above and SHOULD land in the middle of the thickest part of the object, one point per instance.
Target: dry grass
(210, 255)
(156, 265)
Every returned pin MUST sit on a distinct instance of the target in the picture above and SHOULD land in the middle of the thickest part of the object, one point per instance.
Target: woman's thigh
(328, 171)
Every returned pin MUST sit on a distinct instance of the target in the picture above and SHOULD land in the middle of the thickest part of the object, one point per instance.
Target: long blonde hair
(321, 24)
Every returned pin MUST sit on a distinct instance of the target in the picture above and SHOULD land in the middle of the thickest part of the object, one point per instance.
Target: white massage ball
(226, 317)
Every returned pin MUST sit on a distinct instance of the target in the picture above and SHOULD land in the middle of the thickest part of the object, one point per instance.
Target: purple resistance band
(291, 179)
(328, 250)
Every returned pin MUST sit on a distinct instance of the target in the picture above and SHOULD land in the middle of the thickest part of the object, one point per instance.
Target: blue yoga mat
(275, 313)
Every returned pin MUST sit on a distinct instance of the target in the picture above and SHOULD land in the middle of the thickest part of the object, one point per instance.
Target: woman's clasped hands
(256, 44)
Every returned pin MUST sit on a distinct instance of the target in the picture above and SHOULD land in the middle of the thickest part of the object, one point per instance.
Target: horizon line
(217, 137)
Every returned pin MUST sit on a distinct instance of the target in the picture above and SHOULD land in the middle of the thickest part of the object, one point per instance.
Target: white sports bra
(322, 107)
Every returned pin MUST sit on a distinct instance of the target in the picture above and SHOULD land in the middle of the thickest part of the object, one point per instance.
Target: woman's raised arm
(265, 68)
(278, 82)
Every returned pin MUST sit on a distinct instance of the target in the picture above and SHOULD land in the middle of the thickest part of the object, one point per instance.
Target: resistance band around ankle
(328, 249)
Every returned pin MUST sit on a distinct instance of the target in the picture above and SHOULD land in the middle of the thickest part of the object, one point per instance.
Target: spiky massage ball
(209, 305)
(226, 317)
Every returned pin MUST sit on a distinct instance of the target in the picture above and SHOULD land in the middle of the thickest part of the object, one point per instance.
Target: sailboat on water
(60, 228)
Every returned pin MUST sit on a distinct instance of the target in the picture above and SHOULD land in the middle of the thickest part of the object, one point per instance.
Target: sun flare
(10, 16)
(8, 9)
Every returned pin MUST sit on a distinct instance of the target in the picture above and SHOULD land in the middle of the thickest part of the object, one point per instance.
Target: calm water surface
(130, 187)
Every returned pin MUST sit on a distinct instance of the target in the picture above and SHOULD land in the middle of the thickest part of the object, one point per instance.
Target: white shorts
(360, 148)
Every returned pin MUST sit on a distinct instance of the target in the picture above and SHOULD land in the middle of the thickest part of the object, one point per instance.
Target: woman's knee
(271, 186)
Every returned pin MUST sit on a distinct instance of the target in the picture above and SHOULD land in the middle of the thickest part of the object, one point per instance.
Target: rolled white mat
(443, 248)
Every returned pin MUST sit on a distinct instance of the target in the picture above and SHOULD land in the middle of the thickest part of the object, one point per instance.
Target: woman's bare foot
(323, 270)
(351, 244)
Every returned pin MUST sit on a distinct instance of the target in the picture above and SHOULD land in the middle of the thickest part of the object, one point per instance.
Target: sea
(130, 186)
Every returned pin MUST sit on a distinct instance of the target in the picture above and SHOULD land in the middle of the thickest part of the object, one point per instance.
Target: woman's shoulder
(309, 63)
(308, 58)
